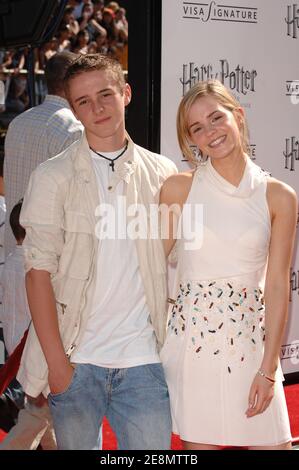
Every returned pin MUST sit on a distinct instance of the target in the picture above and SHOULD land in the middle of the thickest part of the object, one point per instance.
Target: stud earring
(200, 157)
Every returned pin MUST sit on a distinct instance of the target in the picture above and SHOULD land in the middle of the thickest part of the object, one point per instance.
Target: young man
(98, 306)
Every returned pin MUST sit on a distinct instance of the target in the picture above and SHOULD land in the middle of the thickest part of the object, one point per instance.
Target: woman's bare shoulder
(280, 195)
(278, 189)
(176, 188)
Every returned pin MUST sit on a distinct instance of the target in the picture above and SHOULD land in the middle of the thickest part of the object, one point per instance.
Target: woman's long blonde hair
(206, 88)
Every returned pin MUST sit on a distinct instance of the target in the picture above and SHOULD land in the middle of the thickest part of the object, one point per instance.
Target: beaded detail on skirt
(220, 318)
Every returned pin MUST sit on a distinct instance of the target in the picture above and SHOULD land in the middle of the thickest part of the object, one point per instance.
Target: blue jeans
(135, 401)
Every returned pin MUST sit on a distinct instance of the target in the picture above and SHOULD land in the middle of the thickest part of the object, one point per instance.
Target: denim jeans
(135, 401)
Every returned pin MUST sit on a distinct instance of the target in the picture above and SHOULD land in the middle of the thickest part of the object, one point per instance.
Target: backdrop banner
(251, 47)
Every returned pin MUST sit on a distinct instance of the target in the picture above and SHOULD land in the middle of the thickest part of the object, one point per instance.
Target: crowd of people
(87, 26)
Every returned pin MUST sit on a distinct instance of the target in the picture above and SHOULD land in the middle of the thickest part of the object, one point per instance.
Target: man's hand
(60, 378)
(38, 401)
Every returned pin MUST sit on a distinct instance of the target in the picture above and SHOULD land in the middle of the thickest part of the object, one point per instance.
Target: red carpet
(292, 397)
(2, 435)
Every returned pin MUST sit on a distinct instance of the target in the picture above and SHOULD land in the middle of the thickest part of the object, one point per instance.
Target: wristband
(262, 374)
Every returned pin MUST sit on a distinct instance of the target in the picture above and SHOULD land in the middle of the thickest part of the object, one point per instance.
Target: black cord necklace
(112, 160)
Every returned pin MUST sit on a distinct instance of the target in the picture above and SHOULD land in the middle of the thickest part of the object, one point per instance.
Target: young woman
(221, 355)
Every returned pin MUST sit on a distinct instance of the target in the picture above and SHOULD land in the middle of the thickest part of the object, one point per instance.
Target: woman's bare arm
(173, 195)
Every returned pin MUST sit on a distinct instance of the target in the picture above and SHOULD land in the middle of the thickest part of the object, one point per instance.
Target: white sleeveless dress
(216, 332)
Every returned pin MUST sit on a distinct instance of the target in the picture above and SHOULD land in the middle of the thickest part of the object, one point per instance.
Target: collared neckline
(252, 177)
(124, 167)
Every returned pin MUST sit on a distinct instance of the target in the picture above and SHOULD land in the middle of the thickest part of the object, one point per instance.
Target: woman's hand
(260, 396)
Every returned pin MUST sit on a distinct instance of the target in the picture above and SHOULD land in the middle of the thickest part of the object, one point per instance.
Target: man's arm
(42, 305)
(42, 217)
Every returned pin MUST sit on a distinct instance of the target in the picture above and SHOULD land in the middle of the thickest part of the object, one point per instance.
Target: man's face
(99, 104)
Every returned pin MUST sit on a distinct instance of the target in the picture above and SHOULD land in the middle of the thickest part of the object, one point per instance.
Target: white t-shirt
(118, 333)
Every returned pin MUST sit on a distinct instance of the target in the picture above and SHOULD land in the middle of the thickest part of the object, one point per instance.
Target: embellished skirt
(213, 349)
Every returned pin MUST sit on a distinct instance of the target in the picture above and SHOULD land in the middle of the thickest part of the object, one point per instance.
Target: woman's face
(214, 129)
